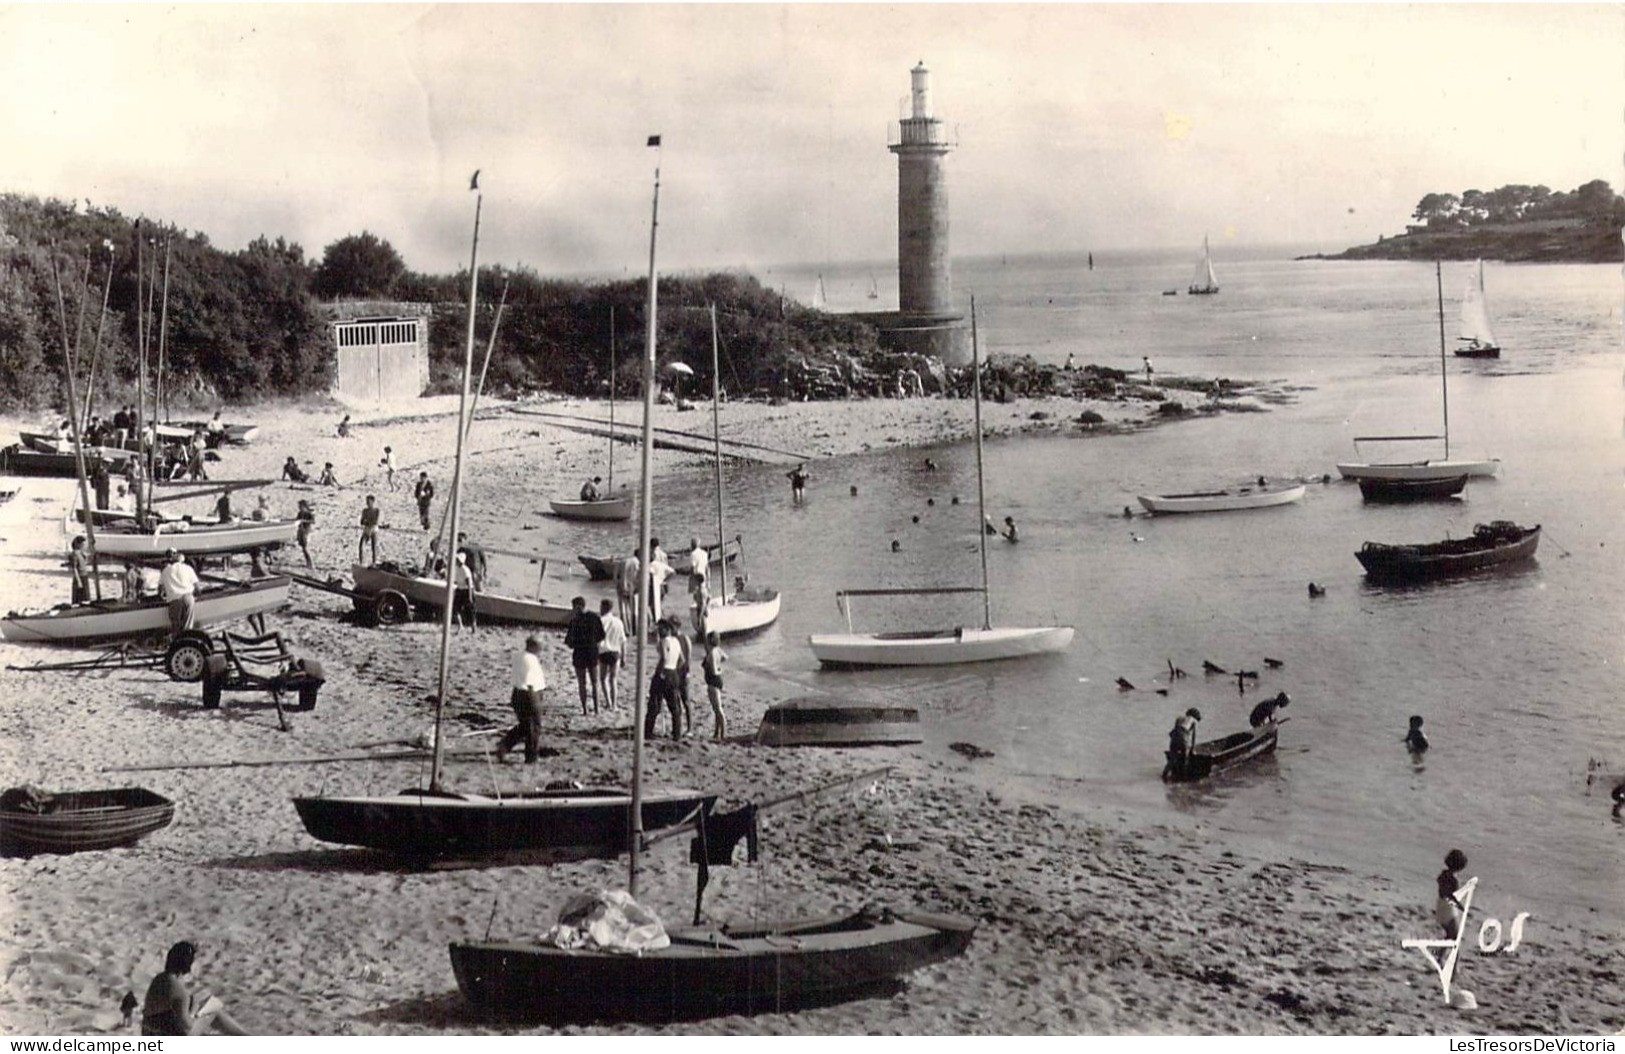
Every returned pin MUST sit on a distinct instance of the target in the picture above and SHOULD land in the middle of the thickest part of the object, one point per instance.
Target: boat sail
(434, 822)
(1432, 470)
(819, 299)
(1205, 281)
(746, 608)
(1477, 340)
(874, 288)
(940, 647)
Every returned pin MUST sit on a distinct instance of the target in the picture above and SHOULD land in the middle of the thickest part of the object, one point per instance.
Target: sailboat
(1432, 469)
(1205, 281)
(608, 506)
(940, 647)
(819, 300)
(1477, 335)
(745, 609)
(697, 972)
(434, 821)
(874, 288)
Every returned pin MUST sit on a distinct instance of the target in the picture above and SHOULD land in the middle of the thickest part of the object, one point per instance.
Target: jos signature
(1489, 939)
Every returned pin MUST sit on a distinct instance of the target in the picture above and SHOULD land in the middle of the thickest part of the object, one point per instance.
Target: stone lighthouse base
(946, 337)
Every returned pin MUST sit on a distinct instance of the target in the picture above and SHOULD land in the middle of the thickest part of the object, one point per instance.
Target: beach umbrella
(678, 370)
(680, 367)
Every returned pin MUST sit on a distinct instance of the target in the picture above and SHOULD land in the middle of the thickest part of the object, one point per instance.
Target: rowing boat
(1491, 544)
(1260, 497)
(1215, 754)
(821, 722)
(79, 821)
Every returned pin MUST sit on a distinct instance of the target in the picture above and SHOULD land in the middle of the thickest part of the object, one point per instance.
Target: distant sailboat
(1205, 281)
(874, 288)
(1477, 336)
(1091, 261)
(819, 300)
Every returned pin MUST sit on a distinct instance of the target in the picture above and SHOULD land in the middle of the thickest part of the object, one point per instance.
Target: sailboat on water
(1436, 470)
(1206, 281)
(874, 288)
(744, 609)
(941, 647)
(436, 822)
(819, 300)
(609, 506)
(1477, 340)
(683, 974)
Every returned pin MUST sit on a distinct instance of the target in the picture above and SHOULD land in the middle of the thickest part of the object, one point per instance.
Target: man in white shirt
(626, 588)
(609, 650)
(659, 571)
(178, 586)
(528, 684)
(699, 564)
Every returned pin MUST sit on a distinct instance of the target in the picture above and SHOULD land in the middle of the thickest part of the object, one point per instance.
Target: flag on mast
(654, 140)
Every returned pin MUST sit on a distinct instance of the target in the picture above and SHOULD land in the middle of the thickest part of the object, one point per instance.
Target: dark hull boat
(1215, 754)
(1402, 490)
(1492, 544)
(707, 973)
(825, 723)
(79, 821)
(575, 822)
(1478, 351)
(17, 461)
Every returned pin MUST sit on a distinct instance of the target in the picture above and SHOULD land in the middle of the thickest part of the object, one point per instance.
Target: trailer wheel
(185, 657)
(392, 608)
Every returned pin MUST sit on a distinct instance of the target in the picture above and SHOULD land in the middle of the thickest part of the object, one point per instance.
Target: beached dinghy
(112, 619)
(1491, 544)
(430, 593)
(126, 541)
(15, 460)
(32, 821)
(820, 722)
(1260, 497)
(941, 647)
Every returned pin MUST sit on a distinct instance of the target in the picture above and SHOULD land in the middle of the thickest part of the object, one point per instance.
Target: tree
(360, 266)
(1436, 208)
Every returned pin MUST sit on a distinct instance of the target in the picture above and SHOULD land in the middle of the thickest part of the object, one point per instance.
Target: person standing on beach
(369, 529)
(102, 481)
(463, 588)
(178, 586)
(171, 1010)
(1415, 741)
(798, 484)
(659, 571)
(307, 520)
(609, 651)
(1147, 361)
(626, 589)
(583, 636)
(685, 655)
(529, 682)
(423, 491)
(1447, 911)
(699, 567)
(388, 463)
(663, 685)
(476, 559)
(79, 568)
(222, 508)
(712, 666)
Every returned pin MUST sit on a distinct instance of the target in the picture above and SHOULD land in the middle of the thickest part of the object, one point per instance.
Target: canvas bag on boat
(608, 920)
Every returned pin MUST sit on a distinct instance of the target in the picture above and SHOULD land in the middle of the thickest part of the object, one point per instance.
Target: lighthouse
(924, 279)
(925, 322)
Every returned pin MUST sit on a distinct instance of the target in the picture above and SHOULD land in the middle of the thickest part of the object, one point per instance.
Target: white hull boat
(431, 593)
(1223, 500)
(742, 612)
(113, 619)
(1417, 470)
(195, 539)
(602, 509)
(937, 647)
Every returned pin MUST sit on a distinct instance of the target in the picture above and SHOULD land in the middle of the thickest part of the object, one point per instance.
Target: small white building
(382, 352)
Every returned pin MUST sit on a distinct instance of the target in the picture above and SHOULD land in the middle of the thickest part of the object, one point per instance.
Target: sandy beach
(1090, 921)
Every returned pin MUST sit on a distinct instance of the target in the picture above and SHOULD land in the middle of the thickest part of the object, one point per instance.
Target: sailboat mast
(1444, 374)
(143, 452)
(716, 441)
(981, 488)
(457, 490)
(162, 396)
(611, 489)
(645, 528)
(73, 424)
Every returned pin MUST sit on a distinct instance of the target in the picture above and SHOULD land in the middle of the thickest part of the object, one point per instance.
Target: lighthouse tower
(924, 281)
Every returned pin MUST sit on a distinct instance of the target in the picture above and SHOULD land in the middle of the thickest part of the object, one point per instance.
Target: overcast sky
(1080, 126)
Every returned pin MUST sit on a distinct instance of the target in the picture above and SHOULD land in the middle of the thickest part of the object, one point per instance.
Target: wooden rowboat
(1491, 544)
(1401, 490)
(602, 509)
(820, 722)
(17, 461)
(78, 821)
(193, 539)
(1215, 754)
(430, 593)
(1263, 497)
(757, 968)
(113, 619)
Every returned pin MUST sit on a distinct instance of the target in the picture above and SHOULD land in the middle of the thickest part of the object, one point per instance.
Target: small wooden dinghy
(1401, 490)
(78, 821)
(1209, 757)
(602, 509)
(821, 722)
(1258, 497)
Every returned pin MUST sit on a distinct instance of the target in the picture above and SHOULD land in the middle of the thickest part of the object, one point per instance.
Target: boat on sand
(33, 821)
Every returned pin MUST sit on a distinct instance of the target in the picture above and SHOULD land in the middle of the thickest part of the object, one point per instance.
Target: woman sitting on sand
(171, 1010)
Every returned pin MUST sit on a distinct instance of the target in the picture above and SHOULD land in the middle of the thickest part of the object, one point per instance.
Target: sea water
(1515, 672)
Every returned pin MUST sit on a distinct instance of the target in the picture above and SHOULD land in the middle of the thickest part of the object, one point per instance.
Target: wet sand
(1090, 922)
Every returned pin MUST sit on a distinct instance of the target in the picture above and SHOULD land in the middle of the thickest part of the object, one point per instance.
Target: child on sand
(1447, 912)
(1415, 741)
